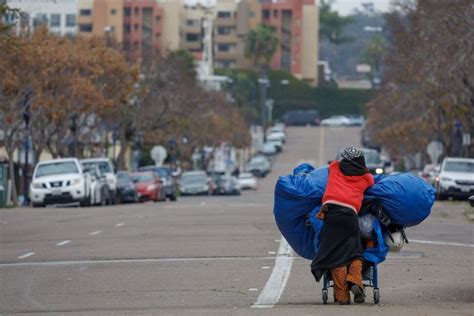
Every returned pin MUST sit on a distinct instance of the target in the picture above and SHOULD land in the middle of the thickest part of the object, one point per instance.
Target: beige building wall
(191, 26)
(105, 13)
(173, 15)
(310, 39)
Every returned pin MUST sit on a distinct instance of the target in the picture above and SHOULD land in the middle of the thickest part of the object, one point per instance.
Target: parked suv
(106, 167)
(455, 179)
(167, 179)
(60, 181)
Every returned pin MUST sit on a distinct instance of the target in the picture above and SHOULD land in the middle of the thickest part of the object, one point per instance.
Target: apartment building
(296, 23)
(173, 11)
(101, 18)
(58, 15)
(192, 28)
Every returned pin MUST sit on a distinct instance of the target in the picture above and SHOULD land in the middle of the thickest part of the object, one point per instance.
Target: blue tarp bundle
(407, 200)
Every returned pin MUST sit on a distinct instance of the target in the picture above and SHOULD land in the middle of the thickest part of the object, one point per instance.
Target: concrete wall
(173, 15)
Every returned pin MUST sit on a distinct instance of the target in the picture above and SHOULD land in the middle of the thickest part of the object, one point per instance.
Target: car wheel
(103, 199)
(37, 205)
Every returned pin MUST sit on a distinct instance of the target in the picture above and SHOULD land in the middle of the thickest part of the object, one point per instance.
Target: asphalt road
(217, 255)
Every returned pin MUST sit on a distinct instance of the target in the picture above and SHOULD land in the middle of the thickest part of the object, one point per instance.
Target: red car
(148, 186)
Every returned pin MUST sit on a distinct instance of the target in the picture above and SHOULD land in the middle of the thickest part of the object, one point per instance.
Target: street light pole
(26, 118)
(74, 133)
(263, 82)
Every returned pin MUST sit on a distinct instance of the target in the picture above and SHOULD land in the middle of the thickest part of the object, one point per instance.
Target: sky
(344, 7)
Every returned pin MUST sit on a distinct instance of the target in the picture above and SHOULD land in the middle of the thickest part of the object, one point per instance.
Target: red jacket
(345, 190)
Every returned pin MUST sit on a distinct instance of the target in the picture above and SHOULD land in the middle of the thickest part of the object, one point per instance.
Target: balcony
(225, 21)
(229, 38)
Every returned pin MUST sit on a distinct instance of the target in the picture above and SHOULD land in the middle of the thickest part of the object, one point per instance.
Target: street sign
(158, 154)
(466, 139)
(434, 150)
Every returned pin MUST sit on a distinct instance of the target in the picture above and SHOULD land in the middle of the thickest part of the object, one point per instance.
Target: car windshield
(459, 166)
(142, 178)
(193, 178)
(372, 157)
(104, 166)
(123, 177)
(56, 168)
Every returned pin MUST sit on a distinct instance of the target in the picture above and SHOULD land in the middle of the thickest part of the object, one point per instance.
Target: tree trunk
(11, 171)
(123, 148)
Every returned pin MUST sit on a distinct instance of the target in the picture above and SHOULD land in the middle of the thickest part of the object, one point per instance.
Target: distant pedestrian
(340, 249)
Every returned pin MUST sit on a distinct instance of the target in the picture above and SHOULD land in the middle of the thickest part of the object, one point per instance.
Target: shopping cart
(369, 278)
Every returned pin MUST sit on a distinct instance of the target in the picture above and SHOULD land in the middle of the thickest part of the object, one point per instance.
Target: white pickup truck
(60, 181)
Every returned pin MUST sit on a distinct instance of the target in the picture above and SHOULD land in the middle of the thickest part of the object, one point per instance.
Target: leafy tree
(261, 44)
(373, 54)
(332, 26)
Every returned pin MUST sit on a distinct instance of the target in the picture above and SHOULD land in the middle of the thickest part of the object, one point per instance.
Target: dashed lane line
(26, 255)
(62, 243)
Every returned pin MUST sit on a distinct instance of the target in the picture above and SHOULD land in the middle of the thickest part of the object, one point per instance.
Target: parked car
(247, 181)
(228, 185)
(356, 120)
(301, 118)
(195, 182)
(126, 188)
(148, 186)
(276, 136)
(429, 173)
(100, 192)
(269, 149)
(259, 166)
(277, 143)
(168, 181)
(60, 181)
(106, 167)
(456, 178)
(336, 121)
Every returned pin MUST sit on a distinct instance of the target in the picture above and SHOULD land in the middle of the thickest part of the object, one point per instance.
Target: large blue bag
(406, 198)
(296, 195)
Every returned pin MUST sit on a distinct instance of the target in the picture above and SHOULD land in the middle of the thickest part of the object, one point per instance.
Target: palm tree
(261, 44)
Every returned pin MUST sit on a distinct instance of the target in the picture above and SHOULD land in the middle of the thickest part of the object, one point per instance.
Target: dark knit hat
(354, 155)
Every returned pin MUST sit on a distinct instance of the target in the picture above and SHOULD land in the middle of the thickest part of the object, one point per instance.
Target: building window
(85, 12)
(113, 11)
(190, 22)
(126, 28)
(127, 12)
(191, 37)
(55, 20)
(224, 30)
(266, 14)
(158, 20)
(70, 20)
(224, 47)
(40, 19)
(137, 11)
(135, 27)
(224, 14)
(85, 28)
(275, 13)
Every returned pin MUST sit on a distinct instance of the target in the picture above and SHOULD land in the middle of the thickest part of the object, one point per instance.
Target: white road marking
(253, 290)
(62, 243)
(26, 255)
(441, 243)
(265, 267)
(119, 224)
(272, 253)
(125, 261)
(276, 284)
(95, 233)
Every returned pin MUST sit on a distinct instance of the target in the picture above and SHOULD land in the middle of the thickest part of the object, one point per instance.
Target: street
(213, 255)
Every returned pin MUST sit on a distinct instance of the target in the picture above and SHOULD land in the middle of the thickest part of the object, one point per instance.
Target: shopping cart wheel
(325, 296)
(376, 296)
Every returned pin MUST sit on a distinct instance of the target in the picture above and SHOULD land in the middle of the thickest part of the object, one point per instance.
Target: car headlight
(37, 185)
(151, 187)
(446, 179)
(379, 171)
(75, 181)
